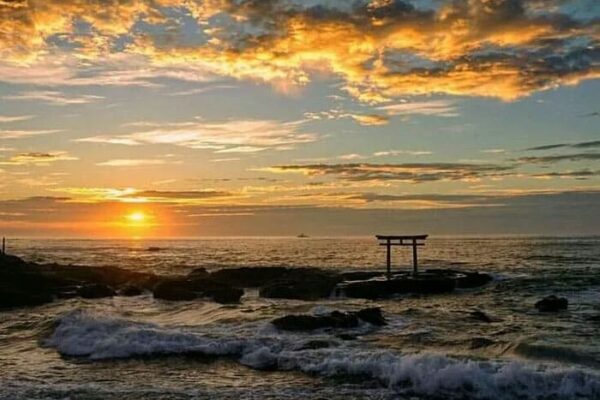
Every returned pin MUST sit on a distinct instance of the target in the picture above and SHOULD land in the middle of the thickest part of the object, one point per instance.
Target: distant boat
(302, 236)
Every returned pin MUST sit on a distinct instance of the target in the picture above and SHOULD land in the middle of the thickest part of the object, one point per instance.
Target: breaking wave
(97, 337)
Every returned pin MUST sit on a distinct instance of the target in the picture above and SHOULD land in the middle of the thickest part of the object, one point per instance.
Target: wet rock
(250, 276)
(469, 280)
(335, 319)
(315, 344)
(95, 291)
(199, 273)
(383, 288)
(302, 284)
(480, 342)
(173, 291)
(481, 316)
(360, 275)
(190, 289)
(372, 315)
(552, 304)
(130, 291)
(346, 336)
(10, 298)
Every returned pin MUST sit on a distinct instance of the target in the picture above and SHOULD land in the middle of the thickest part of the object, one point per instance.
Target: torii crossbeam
(401, 240)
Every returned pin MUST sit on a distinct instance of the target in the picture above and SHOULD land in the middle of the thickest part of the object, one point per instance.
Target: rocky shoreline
(25, 284)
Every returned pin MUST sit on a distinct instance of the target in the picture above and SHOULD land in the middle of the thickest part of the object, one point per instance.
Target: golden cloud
(381, 49)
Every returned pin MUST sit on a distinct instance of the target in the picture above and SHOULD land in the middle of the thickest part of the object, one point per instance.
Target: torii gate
(402, 240)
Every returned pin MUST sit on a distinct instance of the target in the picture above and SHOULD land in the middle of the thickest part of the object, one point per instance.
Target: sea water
(432, 348)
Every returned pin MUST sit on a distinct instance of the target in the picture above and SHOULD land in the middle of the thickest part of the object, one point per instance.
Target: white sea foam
(100, 337)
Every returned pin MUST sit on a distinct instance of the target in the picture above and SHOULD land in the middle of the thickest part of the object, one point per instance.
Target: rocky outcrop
(250, 276)
(189, 289)
(384, 288)
(302, 284)
(552, 304)
(95, 291)
(335, 319)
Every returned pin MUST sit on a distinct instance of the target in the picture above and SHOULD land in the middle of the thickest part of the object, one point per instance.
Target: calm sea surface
(141, 348)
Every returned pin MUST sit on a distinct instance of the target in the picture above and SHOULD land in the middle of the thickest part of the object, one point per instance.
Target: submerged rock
(302, 284)
(552, 304)
(335, 319)
(482, 317)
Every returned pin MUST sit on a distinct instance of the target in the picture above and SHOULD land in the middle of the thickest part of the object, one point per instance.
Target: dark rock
(10, 298)
(199, 273)
(360, 275)
(315, 344)
(372, 315)
(552, 304)
(173, 291)
(189, 289)
(469, 280)
(335, 319)
(95, 291)
(383, 288)
(481, 316)
(130, 291)
(302, 284)
(346, 336)
(249, 276)
(480, 342)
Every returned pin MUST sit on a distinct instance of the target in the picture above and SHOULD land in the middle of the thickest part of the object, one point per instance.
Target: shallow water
(432, 348)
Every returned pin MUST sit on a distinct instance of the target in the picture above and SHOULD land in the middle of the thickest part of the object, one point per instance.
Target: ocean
(432, 348)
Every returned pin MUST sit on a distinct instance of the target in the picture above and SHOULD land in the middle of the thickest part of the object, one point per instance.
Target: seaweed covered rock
(335, 319)
(552, 304)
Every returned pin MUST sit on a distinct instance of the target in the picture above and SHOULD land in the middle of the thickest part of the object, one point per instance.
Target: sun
(137, 217)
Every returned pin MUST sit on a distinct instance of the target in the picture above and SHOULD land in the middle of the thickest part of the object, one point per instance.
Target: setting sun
(137, 217)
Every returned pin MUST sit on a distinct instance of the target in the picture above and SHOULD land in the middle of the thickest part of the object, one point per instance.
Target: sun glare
(137, 217)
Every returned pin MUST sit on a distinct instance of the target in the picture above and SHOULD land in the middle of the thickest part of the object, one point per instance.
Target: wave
(97, 337)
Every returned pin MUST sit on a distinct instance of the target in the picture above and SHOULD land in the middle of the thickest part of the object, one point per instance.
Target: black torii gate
(401, 240)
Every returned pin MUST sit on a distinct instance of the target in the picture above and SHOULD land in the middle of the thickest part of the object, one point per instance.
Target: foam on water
(98, 337)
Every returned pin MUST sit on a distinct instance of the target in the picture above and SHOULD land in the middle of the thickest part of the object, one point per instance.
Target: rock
(383, 288)
(199, 273)
(315, 344)
(481, 316)
(479, 342)
(173, 291)
(360, 275)
(190, 289)
(130, 291)
(302, 284)
(552, 304)
(95, 291)
(249, 276)
(335, 319)
(372, 315)
(469, 280)
(10, 298)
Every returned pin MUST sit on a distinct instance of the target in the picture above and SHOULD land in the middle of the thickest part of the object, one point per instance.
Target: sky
(166, 118)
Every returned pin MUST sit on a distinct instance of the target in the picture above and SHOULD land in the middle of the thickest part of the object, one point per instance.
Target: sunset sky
(274, 117)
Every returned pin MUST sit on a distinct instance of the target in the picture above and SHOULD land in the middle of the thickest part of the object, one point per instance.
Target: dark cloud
(582, 174)
(558, 158)
(580, 145)
(409, 172)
